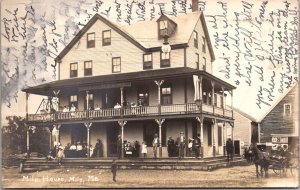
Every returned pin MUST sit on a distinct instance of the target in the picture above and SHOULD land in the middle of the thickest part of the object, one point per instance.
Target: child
(114, 169)
(144, 149)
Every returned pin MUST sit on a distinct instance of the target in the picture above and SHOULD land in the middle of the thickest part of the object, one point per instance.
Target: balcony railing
(129, 112)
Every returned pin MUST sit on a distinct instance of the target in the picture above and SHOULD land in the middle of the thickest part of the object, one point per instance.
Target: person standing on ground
(155, 145)
(229, 149)
(114, 168)
(144, 149)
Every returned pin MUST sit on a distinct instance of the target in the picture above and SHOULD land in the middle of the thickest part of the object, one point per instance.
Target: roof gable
(94, 19)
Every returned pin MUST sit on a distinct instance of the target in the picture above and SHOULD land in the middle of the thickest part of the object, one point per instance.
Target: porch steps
(205, 164)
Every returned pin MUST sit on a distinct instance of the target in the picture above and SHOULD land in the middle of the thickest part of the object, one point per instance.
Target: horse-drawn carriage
(281, 163)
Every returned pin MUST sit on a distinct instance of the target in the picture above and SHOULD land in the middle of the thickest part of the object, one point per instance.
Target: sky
(255, 44)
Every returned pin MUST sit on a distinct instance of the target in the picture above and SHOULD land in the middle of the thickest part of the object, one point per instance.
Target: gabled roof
(168, 73)
(144, 34)
(245, 114)
(277, 102)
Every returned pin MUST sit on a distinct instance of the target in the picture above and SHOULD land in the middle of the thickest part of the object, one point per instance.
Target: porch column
(26, 106)
(122, 123)
(160, 122)
(51, 140)
(200, 89)
(213, 137)
(159, 83)
(88, 126)
(87, 100)
(200, 120)
(57, 129)
(122, 98)
(258, 131)
(232, 138)
(231, 94)
(213, 95)
(223, 100)
(27, 140)
(224, 138)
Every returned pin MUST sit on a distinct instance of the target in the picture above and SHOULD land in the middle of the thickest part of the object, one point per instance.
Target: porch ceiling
(74, 83)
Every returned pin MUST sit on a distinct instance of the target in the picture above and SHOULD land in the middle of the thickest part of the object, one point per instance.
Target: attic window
(203, 44)
(163, 28)
(195, 39)
(106, 38)
(91, 40)
(287, 109)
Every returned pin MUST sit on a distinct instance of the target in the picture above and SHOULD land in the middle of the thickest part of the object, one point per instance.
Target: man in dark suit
(119, 146)
(114, 169)
(229, 149)
(197, 145)
(181, 144)
(171, 144)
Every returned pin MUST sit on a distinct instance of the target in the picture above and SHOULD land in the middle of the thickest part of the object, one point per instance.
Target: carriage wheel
(277, 171)
(294, 166)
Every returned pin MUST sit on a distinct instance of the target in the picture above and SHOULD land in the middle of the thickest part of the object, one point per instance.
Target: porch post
(27, 140)
(231, 94)
(122, 98)
(88, 126)
(232, 138)
(200, 120)
(57, 128)
(160, 122)
(213, 95)
(27, 95)
(224, 138)
(122, 123)
(87, 100)
(51, 140)
(223, 100)
(159, 83)
(213, 137)
(200, 89)
(258, 131)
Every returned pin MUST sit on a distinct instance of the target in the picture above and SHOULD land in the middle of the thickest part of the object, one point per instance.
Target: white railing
(128, 112)
(207, 108)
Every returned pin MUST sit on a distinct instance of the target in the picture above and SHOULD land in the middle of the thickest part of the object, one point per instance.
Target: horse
(248, 155)
(260, 159)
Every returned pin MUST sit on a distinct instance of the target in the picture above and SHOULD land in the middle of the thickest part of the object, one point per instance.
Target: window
(164, 59)
(73, 100)
(209, 137)
(73, 70)
(204, 64)
(163, 28)
(203, 44)
(195, 34)
(287, 109)
(197, 61)
(106, 38)
(149, 130)
(166, 95)
(91, 101)
(220, 136)
(87, 68)
(215, 99)
(143, 96)
(147, 61)
(91, 40)
(116, 64)
(204, 97)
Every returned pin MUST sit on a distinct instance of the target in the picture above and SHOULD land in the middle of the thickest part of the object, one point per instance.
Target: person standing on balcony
(155, 145)
(181, 144)
(117, 106)
(72, 110)
(65, 109)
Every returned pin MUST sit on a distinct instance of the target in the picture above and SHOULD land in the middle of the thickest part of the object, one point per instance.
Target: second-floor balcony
(139, 112)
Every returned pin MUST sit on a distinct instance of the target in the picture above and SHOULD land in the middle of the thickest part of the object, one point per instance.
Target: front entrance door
(111, 97)
(237, 147)
(112, 136)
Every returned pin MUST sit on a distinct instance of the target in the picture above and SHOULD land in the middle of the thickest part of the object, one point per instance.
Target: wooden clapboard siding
(242, 127)
(191, 50)
(275, 122)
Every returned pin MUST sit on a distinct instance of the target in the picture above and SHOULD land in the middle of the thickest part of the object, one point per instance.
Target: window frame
(91, 101)
(203, 44)
(209, 135)
(165, 62)
(73, 102)
(284, 109)
(204, 63)
(197, 61)
(143, 90)
(91, 43)
(86, 73)
(170, 96)
(163, 31)
(113, 66)
(106, 41)
(195, 34)
(145, 63)
(220, 136)
(72, 75)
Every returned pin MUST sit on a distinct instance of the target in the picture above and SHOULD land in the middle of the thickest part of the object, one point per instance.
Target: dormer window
(163, 28)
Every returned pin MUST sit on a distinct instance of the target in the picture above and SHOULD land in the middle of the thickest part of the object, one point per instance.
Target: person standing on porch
(155, 145)
(197, 145)
(97, 149)
(119, 146)
(229, 149)
(181, 144)
(171, 145)
(144, 149)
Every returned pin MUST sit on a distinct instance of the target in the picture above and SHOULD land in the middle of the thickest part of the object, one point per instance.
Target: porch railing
(129, 112)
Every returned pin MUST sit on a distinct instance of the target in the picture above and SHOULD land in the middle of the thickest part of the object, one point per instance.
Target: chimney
(195, 5)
